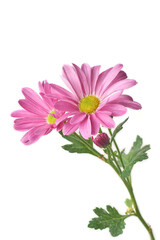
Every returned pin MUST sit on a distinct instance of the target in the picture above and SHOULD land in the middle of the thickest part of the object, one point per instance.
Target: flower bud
(101, 140)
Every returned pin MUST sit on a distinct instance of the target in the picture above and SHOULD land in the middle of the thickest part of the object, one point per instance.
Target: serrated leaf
(118, 129)
(78, 144)
(136, 154)
(128, 203)
(108, 219)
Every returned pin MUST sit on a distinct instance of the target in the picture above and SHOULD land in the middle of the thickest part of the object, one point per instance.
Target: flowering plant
(93, 101)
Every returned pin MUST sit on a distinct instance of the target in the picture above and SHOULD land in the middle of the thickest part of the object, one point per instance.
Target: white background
(45, 192)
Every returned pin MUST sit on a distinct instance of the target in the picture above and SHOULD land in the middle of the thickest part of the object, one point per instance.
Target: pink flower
(101, 140)
(93, 99)
(39, 116)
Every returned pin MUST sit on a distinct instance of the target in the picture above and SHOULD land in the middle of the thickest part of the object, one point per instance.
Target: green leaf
(78, 144)
(136, 154)
(118, 129)
(128, 203)
(108, 219)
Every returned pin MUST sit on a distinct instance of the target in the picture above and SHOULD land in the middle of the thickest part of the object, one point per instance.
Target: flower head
(93, 99)
(39, 116)
(101, 140)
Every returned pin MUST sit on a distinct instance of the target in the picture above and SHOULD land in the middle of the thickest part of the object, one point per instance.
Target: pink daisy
(39, 116)
(93, 99)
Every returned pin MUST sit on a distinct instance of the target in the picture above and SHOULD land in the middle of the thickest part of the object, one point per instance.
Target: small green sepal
(128, 202)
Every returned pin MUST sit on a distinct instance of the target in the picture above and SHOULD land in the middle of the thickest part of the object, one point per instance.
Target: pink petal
(30, 137)
(109, 78)
(95, 124)
(125, 97)
(63, 117)
(107, 100)
(77, 118)
(41, 86)
(127, 101)
(59, 97)
(105, 112)
(26, 126)
(22, 113)
(114, 96)
(50, 101)
(61, 93)
(66, 106)
(94, 76)
(82, 79)
(121, 85)
(132, 104)
(120, 76)
(32, 108)
(50, 129)
(85, 127)
(34, 98)
(41, 130)
(60, 126)
(72, 81)
(44, 87)
(29, 120)
(100, 80)
(47, 87)
(87, 71)
(115, 109)
(69, 128)
(58, 114)
(105, 120)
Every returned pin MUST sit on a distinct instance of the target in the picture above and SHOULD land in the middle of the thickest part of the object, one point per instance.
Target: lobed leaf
(108, 219)
(136, 154)
(78, 144)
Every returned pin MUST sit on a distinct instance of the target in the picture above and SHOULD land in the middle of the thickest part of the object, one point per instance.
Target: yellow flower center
(89, 104)
(51, 119)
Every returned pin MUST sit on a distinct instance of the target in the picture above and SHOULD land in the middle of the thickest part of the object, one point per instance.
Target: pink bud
(101, 140)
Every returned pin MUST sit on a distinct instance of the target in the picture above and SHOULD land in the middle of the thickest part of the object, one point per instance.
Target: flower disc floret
(51, 119)
(89, 104)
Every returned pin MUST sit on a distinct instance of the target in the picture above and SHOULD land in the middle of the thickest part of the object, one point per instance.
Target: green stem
(138, 214)
(119, 153)
(130, 190)
(94, 151)
(110, 161)
(115, 160)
